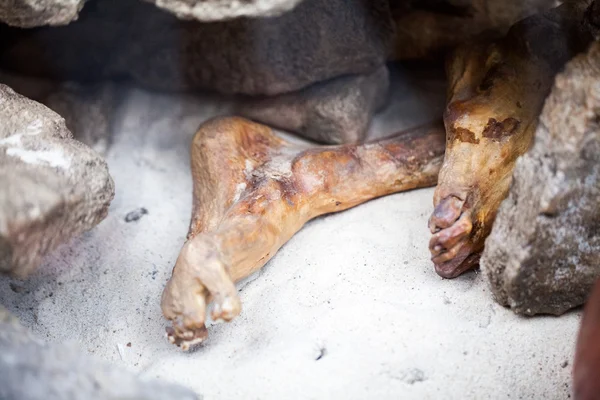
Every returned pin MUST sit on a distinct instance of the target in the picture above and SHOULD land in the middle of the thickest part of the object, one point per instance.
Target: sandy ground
(350, 308)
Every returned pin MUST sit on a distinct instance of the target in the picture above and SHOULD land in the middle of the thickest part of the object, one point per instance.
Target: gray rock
(88, 109)
(31, 13)
(33, 370)
(543, 254)
(53, 187)
(218, 10)
(318, 40)
(335, 111)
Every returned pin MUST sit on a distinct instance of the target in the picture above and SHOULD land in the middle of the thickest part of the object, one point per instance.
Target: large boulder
(543, 254)
(53, 187)
(218, 10)
(33, 370)
(31, 13)
(316, 41)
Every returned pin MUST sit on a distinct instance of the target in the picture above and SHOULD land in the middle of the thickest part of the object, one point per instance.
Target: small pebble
(136, 214)
(16, 288)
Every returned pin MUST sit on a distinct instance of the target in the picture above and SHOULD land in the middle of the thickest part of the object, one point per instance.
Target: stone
(218, 10)
(33, 370)
(32, 13)
(318, 40)
(543, 254)
(88, 108)
(53, 187)
(333, 112)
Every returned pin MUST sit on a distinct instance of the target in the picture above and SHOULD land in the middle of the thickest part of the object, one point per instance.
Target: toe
(449, 254)
(447, 238)
(227, 308)
(463, 260)
(445, 213)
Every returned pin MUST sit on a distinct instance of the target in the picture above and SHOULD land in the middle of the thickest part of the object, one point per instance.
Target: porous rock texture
(543, 254)
(31, 13)
(52, 187)
(218, 10)
(33, 370)
(316, 41)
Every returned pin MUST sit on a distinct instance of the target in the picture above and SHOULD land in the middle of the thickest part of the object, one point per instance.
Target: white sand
(356, 288)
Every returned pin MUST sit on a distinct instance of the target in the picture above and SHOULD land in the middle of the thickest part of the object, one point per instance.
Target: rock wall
(316, 41)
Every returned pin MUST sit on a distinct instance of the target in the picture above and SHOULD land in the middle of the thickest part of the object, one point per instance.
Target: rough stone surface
(33, 370)
(426, 28)
(543, 254)
(53, 187)
(88, 109)
(218, 10)
(31, 13)
(316, 41)
(336, 111)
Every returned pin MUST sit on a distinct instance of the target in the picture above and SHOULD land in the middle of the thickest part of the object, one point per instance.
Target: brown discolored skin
(586, 369)
(496, 93)
(253, 191)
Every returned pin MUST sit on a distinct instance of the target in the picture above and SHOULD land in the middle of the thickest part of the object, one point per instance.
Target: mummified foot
(586, 369)
(254, 191)
(496, 94)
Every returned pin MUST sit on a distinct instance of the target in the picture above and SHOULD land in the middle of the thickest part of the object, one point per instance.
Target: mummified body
(253, 191)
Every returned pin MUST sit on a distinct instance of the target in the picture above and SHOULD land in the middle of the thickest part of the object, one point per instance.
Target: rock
(53, 187)
(33, 370)
(543, 254)
(318, 40)
(88, 109)
(334, 112)
(426, 28)
(218, 10)
(31, 13)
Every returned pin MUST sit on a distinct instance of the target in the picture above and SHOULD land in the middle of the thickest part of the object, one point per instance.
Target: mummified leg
(586, 370)
(496, 94)
(254, 191)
